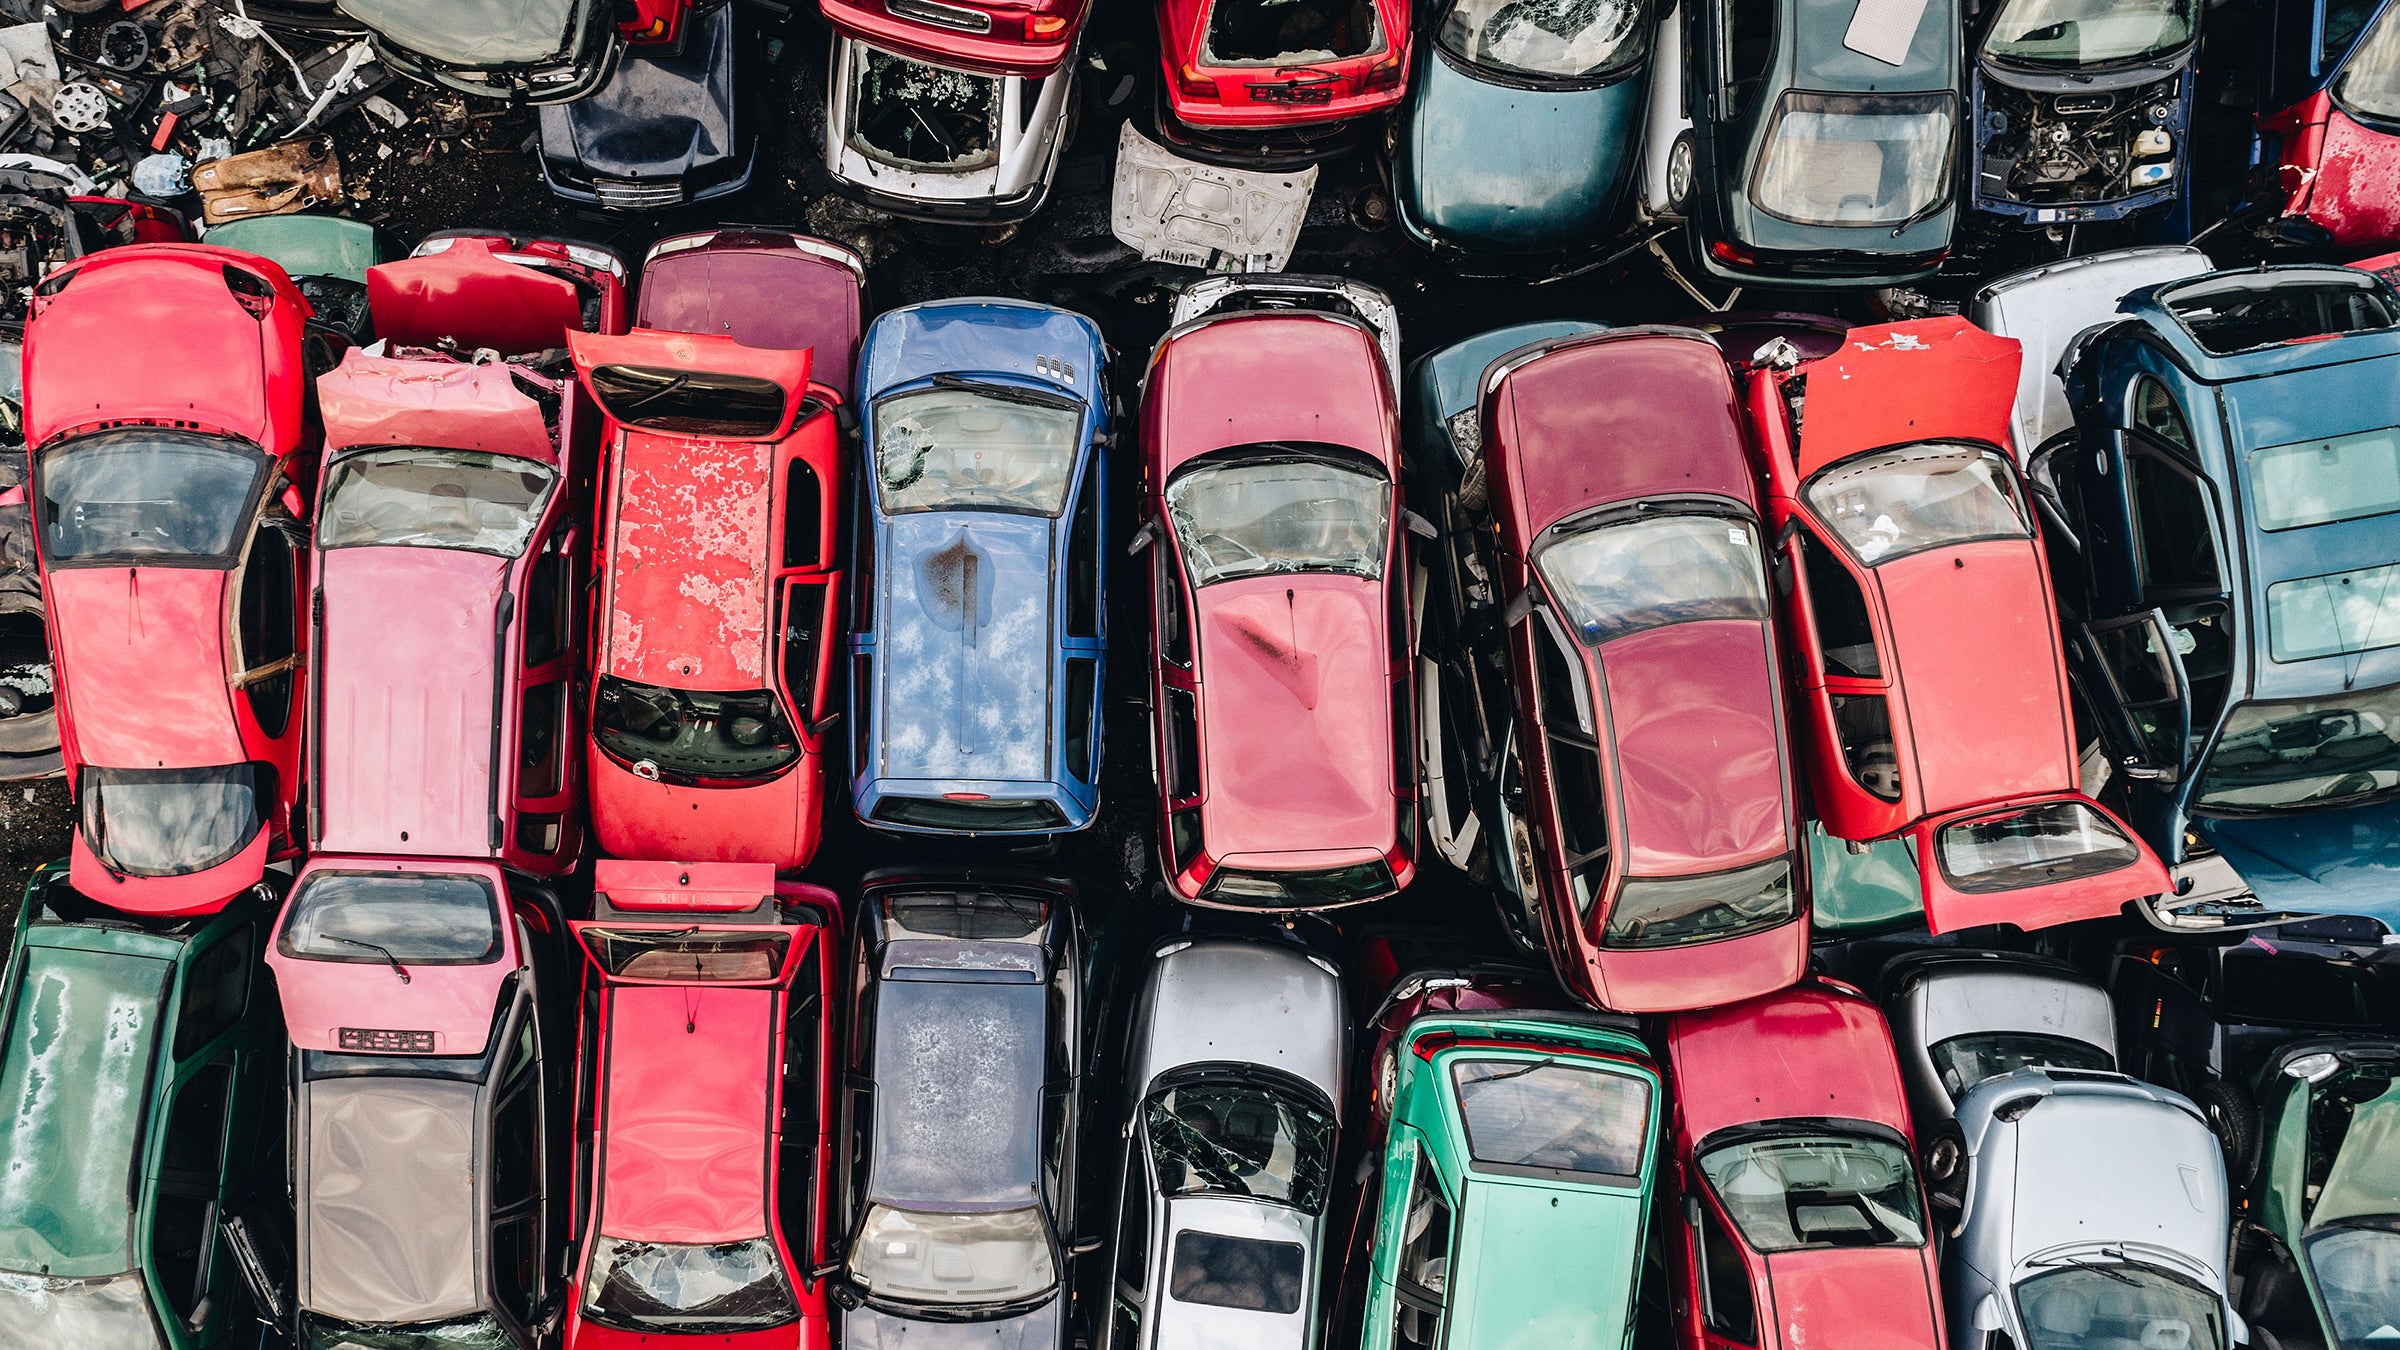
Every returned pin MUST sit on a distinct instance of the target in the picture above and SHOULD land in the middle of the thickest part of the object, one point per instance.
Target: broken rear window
(924, 117)
(1557, 39)
(975, 448)
(1226, 1138)
(146, 493)
(683, 735)
(2245, 311)
(1283, 514)
(434, 499)
(169, 822)
(1287, 32)
(689, 402)
(695, 1289)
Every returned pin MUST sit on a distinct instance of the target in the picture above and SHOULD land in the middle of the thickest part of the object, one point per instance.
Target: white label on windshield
(1885, 29)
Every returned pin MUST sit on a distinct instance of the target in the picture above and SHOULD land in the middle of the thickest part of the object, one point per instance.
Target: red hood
(1976, 643)
(1854, 1298)
(686, 1119)
(1297, 723)
(687, 567)
(1693, 711)
(404, 757)
(1252, 379)
(1927, 379)
(376, 400)
(1802, 1052)
(149, 645)
(466, 294)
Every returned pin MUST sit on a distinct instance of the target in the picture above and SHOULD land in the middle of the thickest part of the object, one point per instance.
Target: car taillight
(1726, 252)
(1192, 84)
(1384, 74)
(1045, 25)
(966, 796)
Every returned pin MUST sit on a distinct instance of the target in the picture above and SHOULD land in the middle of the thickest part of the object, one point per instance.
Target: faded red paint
(1353, 86)
(454, 1002)
(1249, 379)
(143, 711)
(687, 601)
(378, 400)
(762, 288)
(2339, 173)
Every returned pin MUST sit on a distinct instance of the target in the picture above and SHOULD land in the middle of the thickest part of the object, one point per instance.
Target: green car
(2327, 1198)
(1517, 1163)
(327, 257)
(137, 1066)
(1861, 890)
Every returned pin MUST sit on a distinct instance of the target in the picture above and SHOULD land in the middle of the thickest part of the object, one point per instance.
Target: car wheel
(2234, 1118)
(1944, 1160)
(1679, 173)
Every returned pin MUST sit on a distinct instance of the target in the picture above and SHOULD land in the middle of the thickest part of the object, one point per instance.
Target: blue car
(979, 629)
(2230, 583)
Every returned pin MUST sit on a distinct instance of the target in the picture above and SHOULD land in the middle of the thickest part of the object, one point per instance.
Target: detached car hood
(2343, 861)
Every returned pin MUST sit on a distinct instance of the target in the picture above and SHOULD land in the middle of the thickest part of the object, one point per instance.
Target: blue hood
(2341, 861)
(1489, 166)
(984, 336)
(966, 638)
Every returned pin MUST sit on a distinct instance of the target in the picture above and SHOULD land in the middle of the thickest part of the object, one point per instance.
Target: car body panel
(1818, 1050)
(322, 997)
(491, 290)
(2045, 308)
(1699, 744)
(1250, 379)
(1549, 188)
(1222, 1000)
(2294, 1093)
(1002, 38)
(1338, 88)
(1936, 996)
(586, 49)
(1850, 407)
(667, 128)
(1026, 120)
(183, 718)
(762, 288)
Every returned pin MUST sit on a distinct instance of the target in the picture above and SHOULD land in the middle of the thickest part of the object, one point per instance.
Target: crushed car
(2081, 111)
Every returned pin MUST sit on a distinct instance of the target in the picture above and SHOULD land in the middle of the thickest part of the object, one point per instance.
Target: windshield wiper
(1008, 393)
(384, 952)
(2106, 1268)
(1925, 212)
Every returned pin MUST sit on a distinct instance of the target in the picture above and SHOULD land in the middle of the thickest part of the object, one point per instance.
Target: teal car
(2325, 1262)
(327, 257)
(1861, 890)
(1516, 1167)
(137, 1067)
(1522, 126)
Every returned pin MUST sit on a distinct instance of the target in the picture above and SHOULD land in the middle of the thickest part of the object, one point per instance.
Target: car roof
(687, 564)
(1695, 722)
(1541, 1265)
(762, 288)
(1822, 58)
(1223, 1000)
(157, 630)
(389, 1225)
(1807, 1052)
(685, 1135)
(405, 699)
(967, 631)
(959, 1070)
(1614, 417)
(1256, 378)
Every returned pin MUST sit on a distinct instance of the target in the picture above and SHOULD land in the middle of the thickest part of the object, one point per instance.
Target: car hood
(1544, 186)
(405, 737)
(2342, 861)
(873, 1329)
(658, 116)
(2114, 1167)
(1860, 1298)
(1693, 711)
(145, 646)
(1297, 721)
(967, 647)
(1542, 1266)
(1217, 1002)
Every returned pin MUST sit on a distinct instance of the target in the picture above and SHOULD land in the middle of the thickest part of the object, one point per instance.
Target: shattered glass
(925, 117)
(952, 449)
(1242, 1140)
(104, 1314)
(434, 499)
(1251, 517)
(684, 735)
(692, 1289)
(479, 1332)
(1563, 39)
(1288, 32)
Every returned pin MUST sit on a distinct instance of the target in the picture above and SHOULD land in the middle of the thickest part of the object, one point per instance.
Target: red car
(1624, 517)
(1280, 611)
(172, 532)
(467, 289)
(1794, 1214)
(1924, 635)
(1030, 38)
(1278, 81)
(450, 562)
(705, 1141)
(719, 590)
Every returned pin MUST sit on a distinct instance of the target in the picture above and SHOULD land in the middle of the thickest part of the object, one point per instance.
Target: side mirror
(1143, 538)
(1085, 1247)
(1518, 608)
(1988, 1315)
(825, 1269)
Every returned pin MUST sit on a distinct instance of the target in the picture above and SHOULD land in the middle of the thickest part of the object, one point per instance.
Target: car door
(541, 820)
(198, 1159)
(1565, 778)
(1175, 686)
(1415, 1237)
(270, 598)
(1084, 616)
(1728, 79)
(1841, 662)
(517, 1172)
(1136, 1241)
(807, 586)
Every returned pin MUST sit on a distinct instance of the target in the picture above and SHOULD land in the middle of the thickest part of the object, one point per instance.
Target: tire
(2234, 1118)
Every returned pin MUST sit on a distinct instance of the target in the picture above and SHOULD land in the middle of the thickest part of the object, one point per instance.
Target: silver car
(1234, 1076)
(933, 143)
(1962, 1015)
(2095, 1215)
(2045, 307)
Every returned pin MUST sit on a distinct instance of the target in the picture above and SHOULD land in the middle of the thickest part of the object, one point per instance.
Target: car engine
(2078, 146)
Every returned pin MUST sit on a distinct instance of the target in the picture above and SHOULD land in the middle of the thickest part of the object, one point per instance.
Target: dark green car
(2326, 1208)
(1825, 138)
(137, 1064)
(326, 257)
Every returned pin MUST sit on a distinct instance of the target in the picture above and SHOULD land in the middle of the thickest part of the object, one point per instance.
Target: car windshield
(1818, 1190)
(2300, 753)
(146, 493)
(2338, 614)
(422, 918)
(73, 1082)
(958, 1094)
(1545, 39)
(2369, 85)
(1855, 159)
(1896, 502)
(481, 1331)
(925, 117)
(681, 735)
(112, 1313)
(169, 822)
(469, 32)
(1242, 1140)
(2037, 846)
(434, 499)
(1676, 911)
(981, 448)
(1619, 579)
(1964, 1061)
(2358, 1277)
(1280, 514)
(982, 1257)
(689, 955)
(700, 1289)
(2088, 32)
(2104, 1302)
(1553, 1115)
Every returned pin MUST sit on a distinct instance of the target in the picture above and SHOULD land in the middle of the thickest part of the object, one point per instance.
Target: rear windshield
(1236, 1272)
(2247, 311)
(1964, 1061)
(1674, 911)
(985, 448)
(2369, 85)
(1620, 579)
(170, 822)
(423, 918)
(2301, 754)
(434, 499)
(1286, 32)
(685, 956)
(1300, 890)
(1817, 1191)
(1247, 518)
(2038, 846)
(699, 1289)
(145, 494)
(987, 816)
(1553, 1115)
(689, 402)
(685, 735)
(1896, 502)
(1856, 159)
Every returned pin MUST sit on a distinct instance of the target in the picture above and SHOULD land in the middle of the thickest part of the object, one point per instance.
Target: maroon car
(1616, 575)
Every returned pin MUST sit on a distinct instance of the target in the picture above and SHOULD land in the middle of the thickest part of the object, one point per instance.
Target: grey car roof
(1966, 999)
(1201, 1326)
(958, 1093)
(1225, 1000)
(388, 1209)
(2044, 307)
